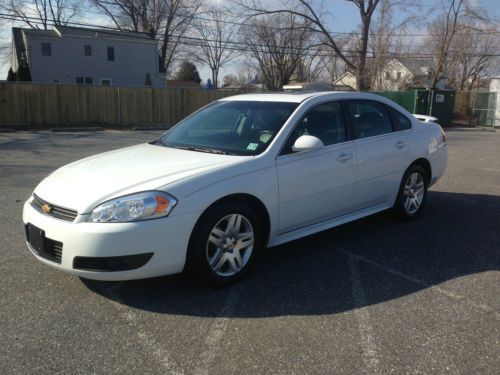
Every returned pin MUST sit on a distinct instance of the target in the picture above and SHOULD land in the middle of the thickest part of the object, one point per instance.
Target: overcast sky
(343, 17)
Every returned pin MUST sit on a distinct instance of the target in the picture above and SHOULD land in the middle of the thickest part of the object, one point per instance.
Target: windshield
(230, 127)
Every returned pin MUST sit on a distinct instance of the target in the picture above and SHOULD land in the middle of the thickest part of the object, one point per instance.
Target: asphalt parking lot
(374, 296)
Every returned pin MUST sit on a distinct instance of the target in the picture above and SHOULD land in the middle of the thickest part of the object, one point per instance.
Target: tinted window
(46, 49)
(233, 127)
(325, 121)
(88, 50)
(369, 118)
(401, 122)
(111, 53)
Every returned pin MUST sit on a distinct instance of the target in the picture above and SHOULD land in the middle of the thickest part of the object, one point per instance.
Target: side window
(369, 118)
(401, 122)
(46, 49)
(111, 53)
(325, 121)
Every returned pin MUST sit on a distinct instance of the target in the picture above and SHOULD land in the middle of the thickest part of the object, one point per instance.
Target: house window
(399, 75)
(46, 49)
(84, 80)
(105, 82)
(387, 75)
(87, 50)
(111, 53)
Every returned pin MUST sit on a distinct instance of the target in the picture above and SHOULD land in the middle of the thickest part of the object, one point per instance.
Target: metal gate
(483, 109)
(418, 101)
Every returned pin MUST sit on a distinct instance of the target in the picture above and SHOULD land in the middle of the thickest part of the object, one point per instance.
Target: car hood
(85, 183)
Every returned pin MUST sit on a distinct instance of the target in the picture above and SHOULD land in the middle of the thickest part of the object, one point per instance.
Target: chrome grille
(55, 211)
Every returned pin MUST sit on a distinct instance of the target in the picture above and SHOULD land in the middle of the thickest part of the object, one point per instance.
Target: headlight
(134, 207)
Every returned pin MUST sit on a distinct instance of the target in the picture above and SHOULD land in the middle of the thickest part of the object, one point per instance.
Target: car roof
(299, 97)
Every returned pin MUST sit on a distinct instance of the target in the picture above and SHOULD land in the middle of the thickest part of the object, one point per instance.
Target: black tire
(402, 211)
(197, 256)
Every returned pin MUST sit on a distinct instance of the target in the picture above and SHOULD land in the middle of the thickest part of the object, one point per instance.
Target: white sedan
(241, 174)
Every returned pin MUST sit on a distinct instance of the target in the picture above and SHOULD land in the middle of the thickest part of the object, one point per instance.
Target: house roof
(62, 31)
(102, 33)
(413, 64)
(40, 33)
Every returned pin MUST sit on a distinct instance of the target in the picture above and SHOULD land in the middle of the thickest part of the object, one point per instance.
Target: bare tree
(41, 14)
(355, 62)
(441, 33)
(246, 72)
(310, 68)
(214, 47)
(386, 36)
(166, 20)
(278, 43)
(474, 55)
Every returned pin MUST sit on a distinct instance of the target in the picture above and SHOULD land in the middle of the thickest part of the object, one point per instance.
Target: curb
(83, 129)
(452, 129)
(139, 128)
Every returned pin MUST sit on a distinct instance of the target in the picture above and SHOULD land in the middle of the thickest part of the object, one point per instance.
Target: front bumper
(167, 238)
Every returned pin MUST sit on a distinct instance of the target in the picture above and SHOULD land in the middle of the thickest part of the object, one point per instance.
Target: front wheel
(225, 243)
(412, 193)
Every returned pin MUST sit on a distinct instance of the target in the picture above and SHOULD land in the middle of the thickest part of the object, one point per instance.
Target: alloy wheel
(230, 245)
(413, 193)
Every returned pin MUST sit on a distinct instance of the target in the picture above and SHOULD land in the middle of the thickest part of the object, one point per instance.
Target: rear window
(369, 118)
(401, 122)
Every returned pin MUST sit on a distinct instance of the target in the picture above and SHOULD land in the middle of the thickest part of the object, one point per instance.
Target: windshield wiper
(203, 149)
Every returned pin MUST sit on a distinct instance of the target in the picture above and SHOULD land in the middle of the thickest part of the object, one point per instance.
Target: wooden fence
(463, 104)
(46, 105)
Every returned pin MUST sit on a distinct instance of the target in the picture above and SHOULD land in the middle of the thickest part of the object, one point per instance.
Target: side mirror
(307, 143)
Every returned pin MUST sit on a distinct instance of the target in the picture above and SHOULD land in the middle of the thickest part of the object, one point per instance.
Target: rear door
(382, 151)
(317, 185)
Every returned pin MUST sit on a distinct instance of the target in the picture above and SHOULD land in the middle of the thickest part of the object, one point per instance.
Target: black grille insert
(111, 264)
(43, 246)
(52, 210)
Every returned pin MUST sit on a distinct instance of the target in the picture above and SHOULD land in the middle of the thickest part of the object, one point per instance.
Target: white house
(348, 80)
(400, 73)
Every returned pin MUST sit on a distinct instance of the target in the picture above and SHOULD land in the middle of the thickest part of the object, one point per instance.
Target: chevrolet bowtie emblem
(46, 208)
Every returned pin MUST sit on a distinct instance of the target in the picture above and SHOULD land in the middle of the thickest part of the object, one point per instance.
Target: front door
(317, 185)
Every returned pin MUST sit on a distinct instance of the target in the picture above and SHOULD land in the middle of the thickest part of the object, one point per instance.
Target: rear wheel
(412, 193)
(225, 243)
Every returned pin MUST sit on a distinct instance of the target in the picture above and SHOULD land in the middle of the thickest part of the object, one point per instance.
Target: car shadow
(457, 235)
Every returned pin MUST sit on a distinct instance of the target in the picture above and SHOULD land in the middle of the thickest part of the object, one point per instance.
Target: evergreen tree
(23, 73)
(188, 72)
(11, 76)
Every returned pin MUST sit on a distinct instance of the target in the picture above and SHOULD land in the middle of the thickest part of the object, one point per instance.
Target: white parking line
(216, 333)
(368, 345)
(146, 340)
(394, 272)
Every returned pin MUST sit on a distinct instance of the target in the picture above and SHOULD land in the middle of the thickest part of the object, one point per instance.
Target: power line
(352, 33)
(233, 46)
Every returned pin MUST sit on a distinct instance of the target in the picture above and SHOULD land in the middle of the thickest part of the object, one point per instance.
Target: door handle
(343, 157)
(401, 144)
